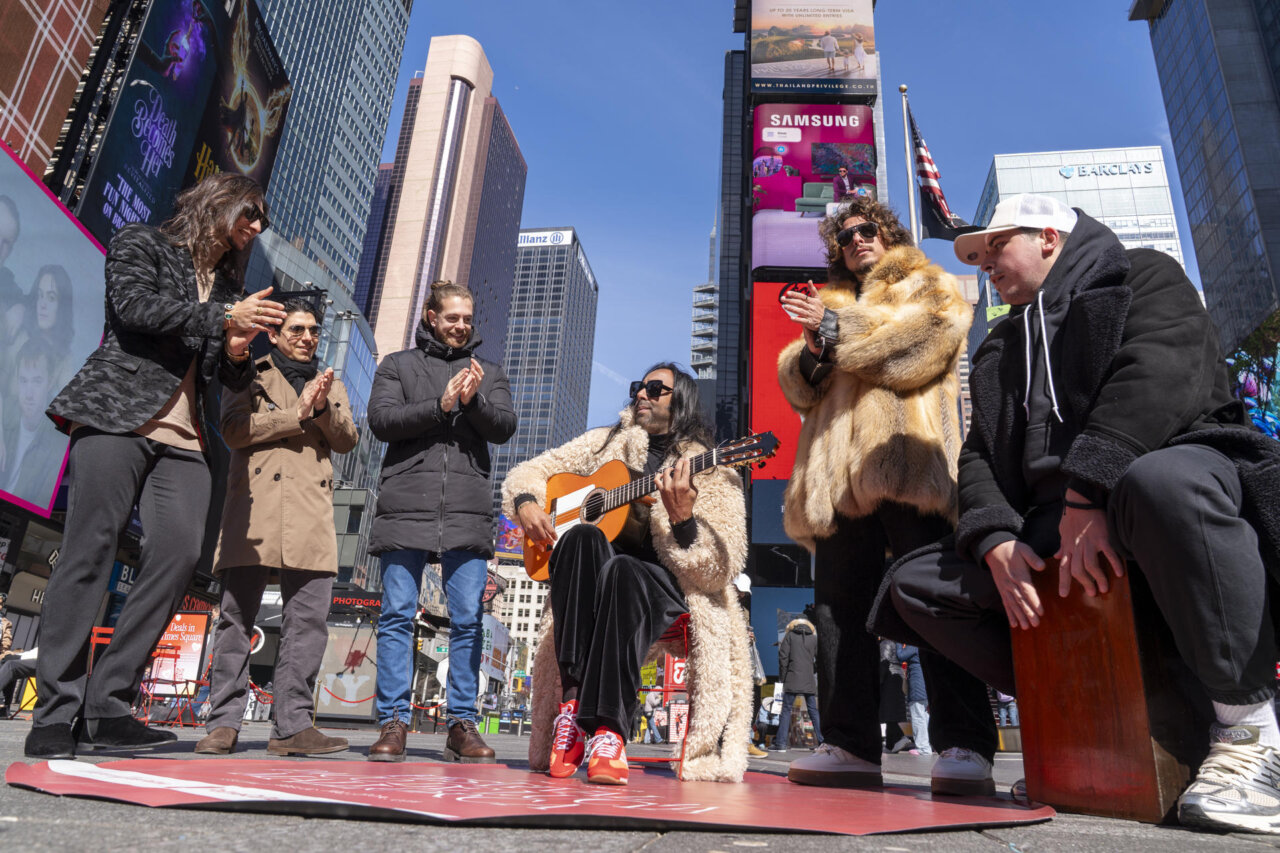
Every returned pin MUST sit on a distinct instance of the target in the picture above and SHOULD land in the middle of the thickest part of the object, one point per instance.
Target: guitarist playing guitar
(611, 602)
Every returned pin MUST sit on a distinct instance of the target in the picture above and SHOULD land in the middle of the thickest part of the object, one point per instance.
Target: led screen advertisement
(51, 298)
(205, 92)
(143, 156)
(798, 152)
(771, 330)
(244, 116)
(825, 47)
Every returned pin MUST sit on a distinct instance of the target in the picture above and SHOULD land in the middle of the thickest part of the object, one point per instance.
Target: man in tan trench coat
(277, 525)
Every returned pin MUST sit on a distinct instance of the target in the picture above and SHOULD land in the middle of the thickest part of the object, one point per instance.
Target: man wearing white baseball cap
(1105, 435)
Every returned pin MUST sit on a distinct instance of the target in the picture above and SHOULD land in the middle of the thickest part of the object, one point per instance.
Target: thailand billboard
(799, 152)
(51, 298)
(205, 92)
(814, 47)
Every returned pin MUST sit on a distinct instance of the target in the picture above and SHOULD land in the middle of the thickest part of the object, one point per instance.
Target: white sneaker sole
(1195, 816)
(836, 778)
(948, 787)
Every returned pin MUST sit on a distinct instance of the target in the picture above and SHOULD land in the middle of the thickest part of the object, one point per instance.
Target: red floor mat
(493, 794)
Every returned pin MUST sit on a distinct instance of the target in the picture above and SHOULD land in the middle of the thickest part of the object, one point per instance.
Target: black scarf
(297, 373)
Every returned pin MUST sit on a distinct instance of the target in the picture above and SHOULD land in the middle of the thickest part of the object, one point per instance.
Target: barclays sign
(1089, 170)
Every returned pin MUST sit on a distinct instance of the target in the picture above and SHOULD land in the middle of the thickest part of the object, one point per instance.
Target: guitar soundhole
(593, 507)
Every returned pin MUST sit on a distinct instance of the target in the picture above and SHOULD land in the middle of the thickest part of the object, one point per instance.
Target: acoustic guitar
(617, 504)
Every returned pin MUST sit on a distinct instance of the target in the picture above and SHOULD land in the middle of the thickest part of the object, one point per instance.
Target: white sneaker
(960, 772)
(833, 767)
(1237, 786)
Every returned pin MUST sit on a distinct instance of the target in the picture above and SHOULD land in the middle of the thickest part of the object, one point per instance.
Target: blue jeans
(465, 573)
(781, 742)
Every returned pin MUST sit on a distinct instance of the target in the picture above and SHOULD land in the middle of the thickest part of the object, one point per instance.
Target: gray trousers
(108, 475)
(303, 635)
(1176, 516)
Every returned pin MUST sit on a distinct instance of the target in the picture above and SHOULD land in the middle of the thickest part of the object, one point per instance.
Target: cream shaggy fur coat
(884, 424)
(719, 669)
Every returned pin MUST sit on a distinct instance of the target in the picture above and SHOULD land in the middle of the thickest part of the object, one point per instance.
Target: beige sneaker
(833, 767)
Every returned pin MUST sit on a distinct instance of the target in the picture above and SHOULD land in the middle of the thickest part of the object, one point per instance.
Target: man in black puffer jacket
(438, 407)
(1105, 435)
(797, 670)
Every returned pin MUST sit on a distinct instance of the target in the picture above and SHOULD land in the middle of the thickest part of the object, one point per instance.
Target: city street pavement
(30, 820)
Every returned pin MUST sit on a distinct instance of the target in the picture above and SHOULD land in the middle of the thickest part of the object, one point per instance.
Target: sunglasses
(867, 231)
(653, 389)
(255, 213)
(299, 331)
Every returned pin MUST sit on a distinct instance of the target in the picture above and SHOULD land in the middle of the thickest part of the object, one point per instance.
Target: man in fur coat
(873, 374)
(1105, 435)
(610, 603)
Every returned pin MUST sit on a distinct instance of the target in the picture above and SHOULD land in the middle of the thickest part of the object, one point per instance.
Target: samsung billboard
(813, 47)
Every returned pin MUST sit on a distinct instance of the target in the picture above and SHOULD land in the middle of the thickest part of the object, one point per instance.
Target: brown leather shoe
(390, 743)
(220, 741)
(310, 741)
(465, 744)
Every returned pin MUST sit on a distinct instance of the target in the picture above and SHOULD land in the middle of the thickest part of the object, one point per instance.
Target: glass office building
(1126, 189)
(1219, 68)
(730, 370)
(342, 57)
(550, 343)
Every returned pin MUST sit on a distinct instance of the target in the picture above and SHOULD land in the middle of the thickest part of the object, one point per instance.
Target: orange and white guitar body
(570, 503)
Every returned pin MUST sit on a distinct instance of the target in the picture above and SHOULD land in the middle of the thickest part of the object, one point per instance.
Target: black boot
(55, 741)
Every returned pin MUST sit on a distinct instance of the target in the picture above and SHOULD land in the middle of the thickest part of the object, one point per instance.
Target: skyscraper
(342, 57)
(457, 186)
(550, 344)
(706, 317)
(1219, 67)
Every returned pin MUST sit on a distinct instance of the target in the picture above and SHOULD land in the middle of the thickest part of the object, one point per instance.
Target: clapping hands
(315, 395)
(463, 386)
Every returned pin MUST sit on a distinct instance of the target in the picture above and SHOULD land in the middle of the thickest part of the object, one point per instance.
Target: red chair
(677, 634)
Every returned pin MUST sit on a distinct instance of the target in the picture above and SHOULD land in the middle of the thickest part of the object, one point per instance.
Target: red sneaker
(608, 764)
(568, 746)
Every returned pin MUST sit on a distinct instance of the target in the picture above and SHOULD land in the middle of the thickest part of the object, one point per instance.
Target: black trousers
(109, 473)
(1175, 516)
(848, 570)
(13, 672)
(609, 610)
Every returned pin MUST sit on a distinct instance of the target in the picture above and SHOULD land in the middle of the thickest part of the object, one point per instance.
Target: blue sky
(617, 108)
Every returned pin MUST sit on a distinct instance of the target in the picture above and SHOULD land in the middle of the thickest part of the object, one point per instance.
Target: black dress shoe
(53, 741)
(122, 733)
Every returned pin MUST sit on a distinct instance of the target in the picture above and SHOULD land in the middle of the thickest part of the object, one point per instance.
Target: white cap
(743, 583)
(1017, 211)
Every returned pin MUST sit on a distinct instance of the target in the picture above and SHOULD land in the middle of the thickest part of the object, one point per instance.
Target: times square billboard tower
(801, 103)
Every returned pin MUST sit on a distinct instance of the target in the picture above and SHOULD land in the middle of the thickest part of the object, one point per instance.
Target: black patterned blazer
(155, 325)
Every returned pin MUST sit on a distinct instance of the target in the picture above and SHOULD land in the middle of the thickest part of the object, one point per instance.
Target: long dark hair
(687, 421)
(64, 323)
(205, 214)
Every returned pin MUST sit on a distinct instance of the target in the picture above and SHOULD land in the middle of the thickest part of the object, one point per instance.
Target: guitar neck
(648, 484)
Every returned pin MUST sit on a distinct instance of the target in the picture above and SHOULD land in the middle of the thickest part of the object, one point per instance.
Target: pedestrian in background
(917, 699)
(797, 656)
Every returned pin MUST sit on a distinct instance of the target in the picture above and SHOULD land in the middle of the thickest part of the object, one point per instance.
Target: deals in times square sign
(205, 92)
(813, 47)
(798, 152)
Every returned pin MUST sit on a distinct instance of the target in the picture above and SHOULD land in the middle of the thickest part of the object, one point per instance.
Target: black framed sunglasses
(867, 231)
(255, 213)
(653, 389)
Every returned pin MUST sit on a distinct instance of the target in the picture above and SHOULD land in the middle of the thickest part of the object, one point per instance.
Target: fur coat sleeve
(906, 328)
(579, 456)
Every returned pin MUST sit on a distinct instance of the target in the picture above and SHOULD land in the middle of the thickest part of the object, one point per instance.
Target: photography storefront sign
(51, 298)
(813, 47)
(798, 152)
(244, 116)
(143, 156)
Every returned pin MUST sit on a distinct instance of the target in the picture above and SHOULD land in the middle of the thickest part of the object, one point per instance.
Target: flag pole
(911, 171)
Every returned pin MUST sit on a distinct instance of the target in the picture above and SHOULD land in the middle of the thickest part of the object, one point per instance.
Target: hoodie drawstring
(1048, 367)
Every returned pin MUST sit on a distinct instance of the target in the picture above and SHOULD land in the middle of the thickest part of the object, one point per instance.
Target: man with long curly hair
(873, 374)
(134, 412)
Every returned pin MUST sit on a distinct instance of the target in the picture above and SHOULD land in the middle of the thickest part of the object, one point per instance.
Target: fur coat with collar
(883, 425)
(719, 667)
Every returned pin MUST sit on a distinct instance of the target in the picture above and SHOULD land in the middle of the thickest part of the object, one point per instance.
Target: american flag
(936, 218)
